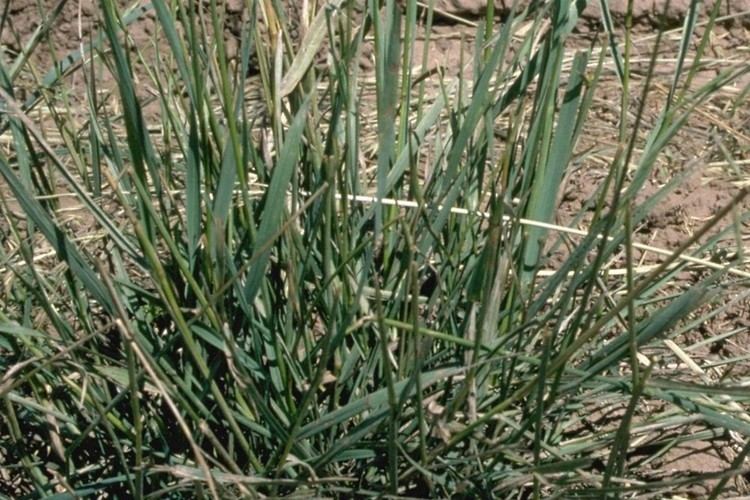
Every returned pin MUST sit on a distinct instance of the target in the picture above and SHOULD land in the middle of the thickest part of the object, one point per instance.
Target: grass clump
(313, 282)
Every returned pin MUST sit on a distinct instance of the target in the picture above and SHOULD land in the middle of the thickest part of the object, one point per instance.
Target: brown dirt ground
(714, 127)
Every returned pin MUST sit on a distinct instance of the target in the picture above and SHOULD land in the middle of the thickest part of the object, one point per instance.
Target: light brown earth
(78, 17)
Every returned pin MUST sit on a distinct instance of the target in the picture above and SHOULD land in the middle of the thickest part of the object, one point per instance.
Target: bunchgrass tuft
(278, 271)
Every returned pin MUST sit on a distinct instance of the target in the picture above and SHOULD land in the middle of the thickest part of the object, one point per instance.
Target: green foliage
(253, 323)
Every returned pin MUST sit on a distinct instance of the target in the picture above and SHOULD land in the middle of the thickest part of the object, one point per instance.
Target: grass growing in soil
(337, 285)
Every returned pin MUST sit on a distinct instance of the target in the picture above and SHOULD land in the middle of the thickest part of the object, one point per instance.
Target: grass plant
(313, 282)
